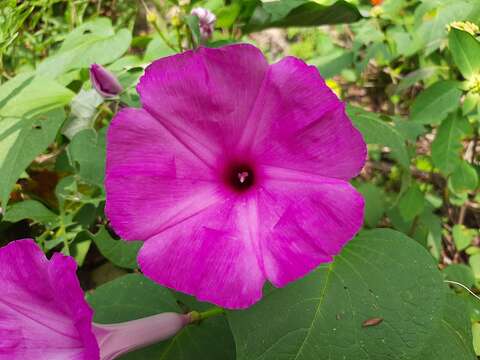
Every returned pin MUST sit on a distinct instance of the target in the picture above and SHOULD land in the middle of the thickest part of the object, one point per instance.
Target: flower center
(240, 177)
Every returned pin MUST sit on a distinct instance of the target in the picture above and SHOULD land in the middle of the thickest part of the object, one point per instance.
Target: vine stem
(196, 316)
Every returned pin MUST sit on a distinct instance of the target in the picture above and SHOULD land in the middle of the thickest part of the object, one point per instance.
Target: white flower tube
(117, 339)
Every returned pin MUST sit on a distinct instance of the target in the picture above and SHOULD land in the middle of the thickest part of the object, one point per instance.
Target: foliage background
(411, 80)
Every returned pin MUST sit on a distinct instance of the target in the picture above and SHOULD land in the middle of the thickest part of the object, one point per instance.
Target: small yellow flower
(376, 11)
(473, 84)
(466, 26)
(151, 17)
(334, 86)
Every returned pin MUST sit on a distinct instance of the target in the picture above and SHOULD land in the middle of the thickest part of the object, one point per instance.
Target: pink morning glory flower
(233, 172)
(44, 316)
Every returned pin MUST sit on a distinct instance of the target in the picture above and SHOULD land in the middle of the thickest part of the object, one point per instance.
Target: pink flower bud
(104, 81)
(117, 339)
(206, 21)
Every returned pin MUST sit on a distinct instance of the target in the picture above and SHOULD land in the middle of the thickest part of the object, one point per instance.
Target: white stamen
(242, 176)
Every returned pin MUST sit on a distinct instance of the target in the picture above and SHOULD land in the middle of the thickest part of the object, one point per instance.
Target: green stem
(196, 316)
(179, 39)
(413, 227)
(167, 42)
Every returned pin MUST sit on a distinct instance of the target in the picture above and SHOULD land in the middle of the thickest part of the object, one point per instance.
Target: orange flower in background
(376, 2)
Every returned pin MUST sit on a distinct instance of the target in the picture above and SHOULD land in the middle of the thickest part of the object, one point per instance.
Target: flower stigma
(240, 177)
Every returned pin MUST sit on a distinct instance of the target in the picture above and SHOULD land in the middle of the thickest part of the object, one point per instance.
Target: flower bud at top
(206, 21)
(104, 81)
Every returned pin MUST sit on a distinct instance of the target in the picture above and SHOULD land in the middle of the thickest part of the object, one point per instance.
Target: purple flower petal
(205, 96)
(299, 123)
(152, 184)
(234, 172)
(310, 218)
(43, 314)
(212, 255)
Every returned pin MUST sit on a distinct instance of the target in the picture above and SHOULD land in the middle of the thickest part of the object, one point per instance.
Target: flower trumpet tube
(44, 316)
(117, 339)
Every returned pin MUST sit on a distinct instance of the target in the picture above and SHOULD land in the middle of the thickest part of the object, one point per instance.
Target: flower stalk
(196, 316)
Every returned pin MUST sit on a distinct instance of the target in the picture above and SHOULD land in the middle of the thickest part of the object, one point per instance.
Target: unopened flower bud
(206, 21)
(117, 339)
(104, 81)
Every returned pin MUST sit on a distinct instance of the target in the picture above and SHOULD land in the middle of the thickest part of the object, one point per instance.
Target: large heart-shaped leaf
(453, 338)
(134, 296)
(380, 299)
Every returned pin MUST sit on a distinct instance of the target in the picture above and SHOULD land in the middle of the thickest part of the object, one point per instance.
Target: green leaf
(464, 177)
(470, 103)
(87, 149)
(24, 133)
(26, 96)
(80, 246)
(286, 13)
(193, 24)
(462, 236)
(227, 15)
(92, 42)
(474, 262)
(432, 18)
(332, 64)
(460, 273)
(415, 76)
(377, 131)
(476, 337)
(133, 296)
(411, 203)
(465, 50)
(453, 338)
(446, 147)
(381, 275)
(374, 203)
(32, 210)
(21, 140)
(119, 252)
(83, 109)
(436, 102)
(156, 49)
